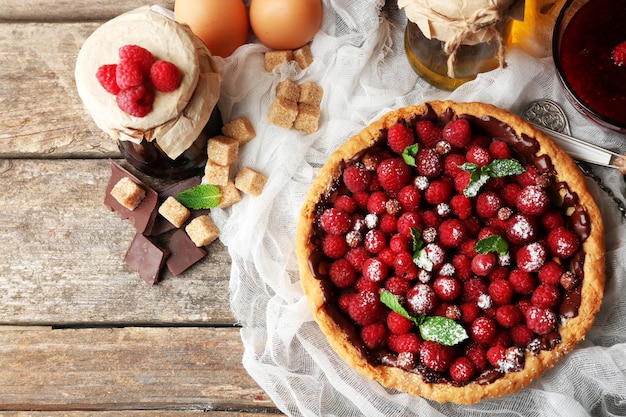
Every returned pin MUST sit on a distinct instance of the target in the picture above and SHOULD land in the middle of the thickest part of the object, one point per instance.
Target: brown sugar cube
(283, 112)
(240, 128)
(311, 93)
(230, 195)
(288, 90)
(216, 174)
(128, 193)
(174, 211)
(250, 181)
(223, 150)
(308, 118)
(202, 231)
(303, 56)
(275, 58)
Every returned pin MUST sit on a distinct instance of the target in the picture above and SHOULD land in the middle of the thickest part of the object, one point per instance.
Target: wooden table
(80, 333)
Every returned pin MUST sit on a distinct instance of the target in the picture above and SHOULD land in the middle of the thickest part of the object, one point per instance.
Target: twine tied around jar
(483, 24)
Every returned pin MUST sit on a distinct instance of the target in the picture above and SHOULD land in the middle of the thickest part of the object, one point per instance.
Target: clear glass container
(429, 60)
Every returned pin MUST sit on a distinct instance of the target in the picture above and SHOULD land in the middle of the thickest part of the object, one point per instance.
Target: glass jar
(149, 158)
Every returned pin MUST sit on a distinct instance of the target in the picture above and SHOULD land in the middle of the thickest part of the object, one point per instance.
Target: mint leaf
(201, 196)
(499, 168)
(477, 180)
(391, 301)
(421, 259)
(409, 154)
(492, 243)
(469, 167)
(442, 330)
(418, 243)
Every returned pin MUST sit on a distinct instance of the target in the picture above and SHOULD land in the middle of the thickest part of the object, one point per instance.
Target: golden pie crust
(571, 332)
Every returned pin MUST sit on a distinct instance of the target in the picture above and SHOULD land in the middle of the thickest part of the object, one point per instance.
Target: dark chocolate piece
(184, 253)
(144, 215)
(161, 224)
(146, 257)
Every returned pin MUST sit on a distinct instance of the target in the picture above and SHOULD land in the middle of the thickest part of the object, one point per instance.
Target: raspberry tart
(451, 251)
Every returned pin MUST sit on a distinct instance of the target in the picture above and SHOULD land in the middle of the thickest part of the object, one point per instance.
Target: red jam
(585, 55)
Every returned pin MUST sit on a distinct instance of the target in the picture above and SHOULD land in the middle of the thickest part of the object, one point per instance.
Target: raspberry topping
(399, 136)
(165, 76)
(106, 76)
(393, 174)
(428, 133)
(458, 133)
(139, 55)
(618, 54)
(136, 101)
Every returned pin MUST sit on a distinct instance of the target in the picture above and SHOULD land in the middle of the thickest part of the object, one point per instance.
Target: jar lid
(177, 117)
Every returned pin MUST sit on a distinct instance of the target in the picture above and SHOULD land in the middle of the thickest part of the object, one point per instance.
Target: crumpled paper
(360, 63)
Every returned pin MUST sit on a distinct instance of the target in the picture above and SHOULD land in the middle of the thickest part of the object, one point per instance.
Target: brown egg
(285, 24)
(222, 25)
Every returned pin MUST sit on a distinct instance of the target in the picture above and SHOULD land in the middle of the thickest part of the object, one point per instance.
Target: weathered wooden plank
(70, 10)
(41, 113)
(62, 251)
(126, 369)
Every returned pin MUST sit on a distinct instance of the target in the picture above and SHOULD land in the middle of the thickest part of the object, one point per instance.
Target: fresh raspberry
(399, 243)
(357, 256)
(462, 369)
(473, 288)
(421, 299)
(469, 312)
(521, 335)
(407, 221)
(364, 284)
(393, 174)
(550, 273)
(499, 150)
(165, 76)
(436, 356)
(463, 266)
(366, 308)
(531, 258)
(458, 133)
(523, 282)
(500, 272)
(524, 304)
(452, 233)
(552, 219)
(461, 206)
(509, 193)
(562, 242)
(447, 288)
(478, 155)
(461, 181)
(430, 219)
(406, 342)
(374, 336)
(436, 254)
(409, 198)
(399, 136)
(500, 291)
(344, 301)
(335, 222)
(546, 296)
(484, 263)
(136, 101)
(540, 320)
(334, 246)
(469, 248)
(428, 163)
(388, 223)
(532, 200)
(397, 285)
(478, 355)
(618, 54)
(496, 355)
(375, 270)
(487, 204)
(530, 176)
(439, 191)
(377, 202)
(375, 240)
(106, 76)
(128, 74)
(428, 133)
(483, 330)
(404, 266)
(342, 273)
(345, 203)
(398, 324)
(387, 256)
(139, 55)
(356, 178)
(521, 229)
(452, 162)
(508, 315)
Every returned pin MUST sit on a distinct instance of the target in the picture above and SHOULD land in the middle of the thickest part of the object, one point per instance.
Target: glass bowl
(585, 33)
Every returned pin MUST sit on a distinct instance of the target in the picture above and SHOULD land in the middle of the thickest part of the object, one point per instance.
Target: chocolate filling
(525, 149)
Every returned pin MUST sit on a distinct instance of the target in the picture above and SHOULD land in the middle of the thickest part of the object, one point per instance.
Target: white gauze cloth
(360, 62)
